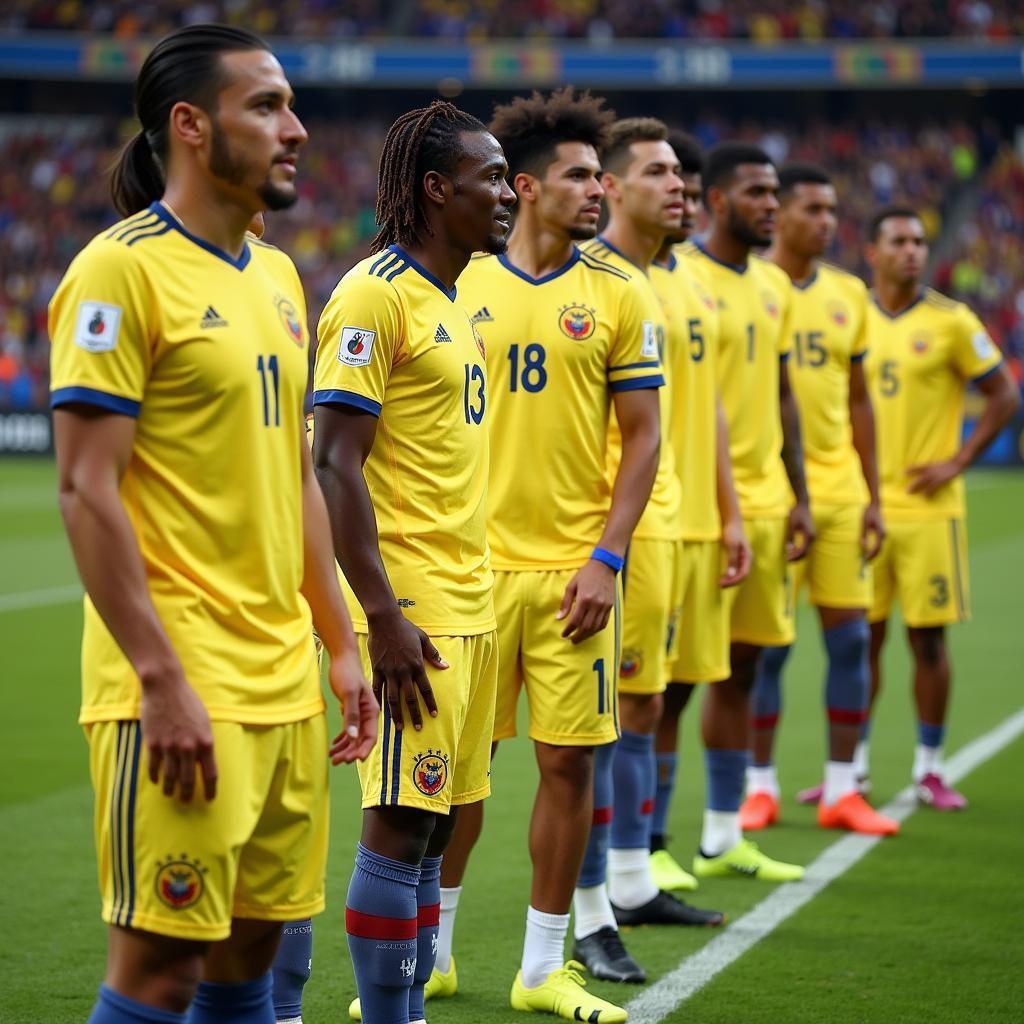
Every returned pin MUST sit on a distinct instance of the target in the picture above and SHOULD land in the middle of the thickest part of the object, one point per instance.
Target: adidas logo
(211, 318)
(441, 336)
(482, 316)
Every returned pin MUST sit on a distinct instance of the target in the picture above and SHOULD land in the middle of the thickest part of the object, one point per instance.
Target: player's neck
(209, 217)
(537, 250)
(664, 253)
(896, 296)
(799, 267)
(725, 247)
(439, 258)
(635, 242)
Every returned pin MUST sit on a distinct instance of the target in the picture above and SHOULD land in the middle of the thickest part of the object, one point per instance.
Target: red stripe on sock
(839, 716)
(428, 917)
(369, 926)
(765, 721)
(602, 815)
(647, 807)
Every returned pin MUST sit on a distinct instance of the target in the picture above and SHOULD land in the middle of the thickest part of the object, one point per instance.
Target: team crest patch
(921, 343)
(98, 326)
(179, 882)
(356, 345)
(290, 318)
(838, 314)
(430, 772)
(770, 305)
(479, 341)
(631, 663)
(577, 322)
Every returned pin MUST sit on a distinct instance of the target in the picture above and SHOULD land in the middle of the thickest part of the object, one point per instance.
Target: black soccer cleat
(668, 909)
(607, 958)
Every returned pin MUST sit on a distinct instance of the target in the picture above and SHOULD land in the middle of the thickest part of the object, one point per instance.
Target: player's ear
(190, 124)
(437, 188)
(610, 184)
(525, 187)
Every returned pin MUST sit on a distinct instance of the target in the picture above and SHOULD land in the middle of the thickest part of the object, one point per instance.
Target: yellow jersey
(828, 321)
(661, 517)
(395, 343)
(692, 343)
(209, 354)
(753, 309)
(919, 364)
(557, 347)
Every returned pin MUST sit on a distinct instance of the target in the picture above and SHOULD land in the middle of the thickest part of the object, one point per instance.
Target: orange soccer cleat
(759, 810)
(853, 813)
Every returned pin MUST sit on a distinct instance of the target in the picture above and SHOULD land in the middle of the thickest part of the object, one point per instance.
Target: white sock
(860, 760)
(927, 761)
(721, 832)
(291, 1020)
(630, 884)
(840, 779)
(446, 928)
(544, 946)
(592, 911)
(763, 780)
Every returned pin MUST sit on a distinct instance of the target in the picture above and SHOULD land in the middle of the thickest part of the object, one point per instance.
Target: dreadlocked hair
(422, 140)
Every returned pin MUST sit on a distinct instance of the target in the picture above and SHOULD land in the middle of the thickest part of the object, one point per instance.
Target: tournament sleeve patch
(98, 326)
(649, 348)
(983, 345)
(356, 346)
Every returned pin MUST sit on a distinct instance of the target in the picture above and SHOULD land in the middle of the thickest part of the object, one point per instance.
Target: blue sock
(595, 860)
(634, 774)
(292, 967)
(665, 766)
(380, 918)
(848, 682)
(247, 1002)
(113, 1008)
(726, 771)
(766, 697)
(428, 916)
(930, 735)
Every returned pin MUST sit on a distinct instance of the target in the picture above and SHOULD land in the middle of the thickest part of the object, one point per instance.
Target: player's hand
(359, 710)
(178, 736)
(872, 532)
(588, 601)
(799, 532)
(738, 555)
(928, 479)
(398, 650)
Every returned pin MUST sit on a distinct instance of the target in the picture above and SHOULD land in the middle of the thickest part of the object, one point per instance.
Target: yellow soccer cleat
(746, 859)
(564, 994)
(669, 874)
(439, 986)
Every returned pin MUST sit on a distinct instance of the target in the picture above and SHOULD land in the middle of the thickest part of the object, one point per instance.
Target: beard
(496, 244)
(743, 232)
(229, 167)
(582, 233)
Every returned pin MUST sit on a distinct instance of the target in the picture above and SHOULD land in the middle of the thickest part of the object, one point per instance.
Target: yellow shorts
(257, 850)
(448, 762)
(571, 688)
(703, 629)
(761, 607)
(924, 564)
(835, 570)
(651, 587)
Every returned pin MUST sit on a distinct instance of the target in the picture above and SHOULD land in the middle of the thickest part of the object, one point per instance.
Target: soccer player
(645, 201)
(179, 361)
(400, 447)
(828, 320)
(711, 526)
(924, 350)
(753, 295)
(569, 339)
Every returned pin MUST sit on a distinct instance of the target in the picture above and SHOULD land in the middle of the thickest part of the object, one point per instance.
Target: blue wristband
(609, 558)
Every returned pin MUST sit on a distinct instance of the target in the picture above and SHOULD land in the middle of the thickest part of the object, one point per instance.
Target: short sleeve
(975, 354)
(785, 317)
(101, 332)
(859, 349)
(633, 359)
(360, 338)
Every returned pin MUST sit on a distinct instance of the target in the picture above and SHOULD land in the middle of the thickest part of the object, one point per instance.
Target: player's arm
(734, 536)
(862, 420)
(94, 448)
(343, 436)
(800, 528)
(333, 624)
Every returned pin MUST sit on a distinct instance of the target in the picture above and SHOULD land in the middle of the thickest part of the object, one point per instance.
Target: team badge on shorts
(179, 882)
(577, 322)
(631, 663)
(289, 318)
(430, 772)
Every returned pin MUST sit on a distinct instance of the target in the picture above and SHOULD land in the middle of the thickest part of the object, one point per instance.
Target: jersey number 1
(272, 393)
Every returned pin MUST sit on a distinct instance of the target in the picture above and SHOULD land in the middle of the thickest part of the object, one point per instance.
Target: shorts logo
(98, 326)
(356, 346)
(631, 663)
(577, 322)
(179, 882)
(770, 305)
(290, 318)
(430, 772)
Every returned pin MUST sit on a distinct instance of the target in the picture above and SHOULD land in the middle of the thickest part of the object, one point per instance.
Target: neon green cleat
(669, 874)
(746, 859)
(439, 986)
(564, 995)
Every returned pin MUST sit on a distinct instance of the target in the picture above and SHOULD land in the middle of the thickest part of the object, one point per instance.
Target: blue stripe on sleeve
(858, 356)
(637, 383)
(987, 373)
(336, 396)
(646, 364)
(93, 396)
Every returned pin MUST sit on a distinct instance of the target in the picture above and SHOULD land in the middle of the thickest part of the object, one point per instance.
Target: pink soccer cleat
(931, 790)
(815, 793)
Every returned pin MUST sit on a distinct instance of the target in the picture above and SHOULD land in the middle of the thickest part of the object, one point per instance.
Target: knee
(444, 827)
(641, 713)
(929, 646)
(175, 987)
(568, 767)
(744, 673)
(401, 833)
(772, 660)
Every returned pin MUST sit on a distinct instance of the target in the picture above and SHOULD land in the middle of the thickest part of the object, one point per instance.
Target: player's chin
(496, 244)
(278, 196)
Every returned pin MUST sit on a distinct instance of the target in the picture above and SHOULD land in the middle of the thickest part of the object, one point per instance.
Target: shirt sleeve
(786, 318)
(860, 340)
(360, 338)
(975, 354)
(102, 325)
(633, 359)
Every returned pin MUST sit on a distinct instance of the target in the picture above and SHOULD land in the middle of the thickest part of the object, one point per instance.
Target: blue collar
(165, 215)
(670, 264)
(423, 272)
(736, 268)
(568, 265)
(807, 284)
(902, 312)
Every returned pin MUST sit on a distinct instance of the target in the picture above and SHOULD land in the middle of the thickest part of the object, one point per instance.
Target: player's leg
(666, 754)
(291, 969)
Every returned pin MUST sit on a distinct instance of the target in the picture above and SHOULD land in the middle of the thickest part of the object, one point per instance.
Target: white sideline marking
(693, 973)
(40, 598)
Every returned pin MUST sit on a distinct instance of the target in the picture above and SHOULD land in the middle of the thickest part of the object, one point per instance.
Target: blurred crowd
(763, 21)
(53, 199)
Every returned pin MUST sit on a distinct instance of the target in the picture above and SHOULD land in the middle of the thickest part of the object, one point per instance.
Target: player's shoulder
(377, 278)
(838, 279)
(770, 271)
(936, 302)
(127, 241)
(481, 266)
(276, 260)
(595, 260)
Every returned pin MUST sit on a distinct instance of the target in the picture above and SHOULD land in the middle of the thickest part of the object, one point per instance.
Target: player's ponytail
(183, 67)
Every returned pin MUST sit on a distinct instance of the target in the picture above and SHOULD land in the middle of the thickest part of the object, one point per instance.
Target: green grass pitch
(927, 928)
